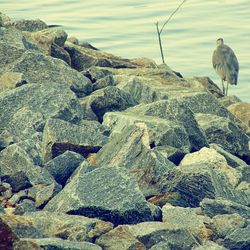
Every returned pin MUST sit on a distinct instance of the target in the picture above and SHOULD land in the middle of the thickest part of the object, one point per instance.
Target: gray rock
(55, 244)
(104, 82)
(60, 136)
(105, 193)
(231, 159)
(33, 104)
(62, 166)
(215, 207)
(60, 53)
(228, 100)
(109, 99)
(174, 110)
(25, 206)
(226, 223)
(153, 233)
(130, 149)
(6, 139)
(196, 182)
(209, 245)
(39, 68)
(97, 73)
(26, 25)
(223, 131)
(83, 58)
(239, 239)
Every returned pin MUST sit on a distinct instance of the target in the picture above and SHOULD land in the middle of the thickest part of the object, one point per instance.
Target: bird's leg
(223, 87)
(227, 89)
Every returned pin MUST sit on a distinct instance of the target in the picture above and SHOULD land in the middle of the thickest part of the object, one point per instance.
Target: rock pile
(101, 152)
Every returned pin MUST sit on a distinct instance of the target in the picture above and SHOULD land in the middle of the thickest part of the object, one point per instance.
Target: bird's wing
(218, 58)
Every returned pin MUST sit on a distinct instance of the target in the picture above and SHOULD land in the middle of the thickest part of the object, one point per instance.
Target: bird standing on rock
(225, 64)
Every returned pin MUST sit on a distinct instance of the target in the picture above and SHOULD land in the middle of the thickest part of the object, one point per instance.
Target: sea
(128, 28)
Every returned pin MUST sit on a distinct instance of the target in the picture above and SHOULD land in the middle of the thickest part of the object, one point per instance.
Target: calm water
(127, 28)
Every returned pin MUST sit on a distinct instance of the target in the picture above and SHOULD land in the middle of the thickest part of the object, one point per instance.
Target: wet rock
(45, 38)
(226, 223)
(239, 239)
(173, 110)
(188, 219)
(108, 99)
(83, 58)
(62, 166)
(119, 238)
(39, 68)
(54, 243)
(26, 25)
(118, 199)
(223, 131)
(60, 136)
(215, 160)
(215, 207)
(242, 111)
(42, 104)
(196, 182)
(154, 233)
(130, 149)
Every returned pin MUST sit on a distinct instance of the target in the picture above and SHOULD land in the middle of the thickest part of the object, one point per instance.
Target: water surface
(127, 28)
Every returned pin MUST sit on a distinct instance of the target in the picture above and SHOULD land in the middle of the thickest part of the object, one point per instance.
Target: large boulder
(26, 25)
(40, 69)
(23, 111)
(130, 149)
(221, 130)
(175, 111)
(213, 207)
(106, 193)
(60, 136)
(196, 182)
(242, 111)
(107, 99)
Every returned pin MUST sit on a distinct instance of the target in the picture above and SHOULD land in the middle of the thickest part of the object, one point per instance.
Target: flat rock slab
(106, 193)
(60, 136)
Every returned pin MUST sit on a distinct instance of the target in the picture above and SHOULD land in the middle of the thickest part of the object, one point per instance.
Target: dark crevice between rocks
(59, 148)
(152, 145)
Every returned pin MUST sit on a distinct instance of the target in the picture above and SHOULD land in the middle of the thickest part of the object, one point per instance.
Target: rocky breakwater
(101, 152)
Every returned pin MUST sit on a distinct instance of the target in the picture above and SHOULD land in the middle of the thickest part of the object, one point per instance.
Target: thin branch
(160, 44)
(170, 17)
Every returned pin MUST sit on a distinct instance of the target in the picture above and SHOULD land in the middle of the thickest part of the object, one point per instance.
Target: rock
(105, 193)
(60, 136)
(231, 159)
(62, 166)
(6, 139)
(215, 207)
(83, 58)
(196, 182)
(242, 111)
(70, 227)
(119, 238)
(54, 243)
(104, 82)
(60, 53)
(27, 25)
(209, 245)
(214, 160)
(40, 69)
(130, 149)
(160, 200)
(7, 235)
(4, 18)
(21, 226)
(73, 40)
(188, 219)
(229, 100)
(45, 38)
(153, 233)
(108, 99)
(97, 73)
(239, 239)
(226, 223)
(223, 131)
(144, 62)
(25, 206)
(173, 110)
(23, 113)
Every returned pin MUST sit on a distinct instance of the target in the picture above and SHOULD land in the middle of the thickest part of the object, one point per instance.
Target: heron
(225, 64)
